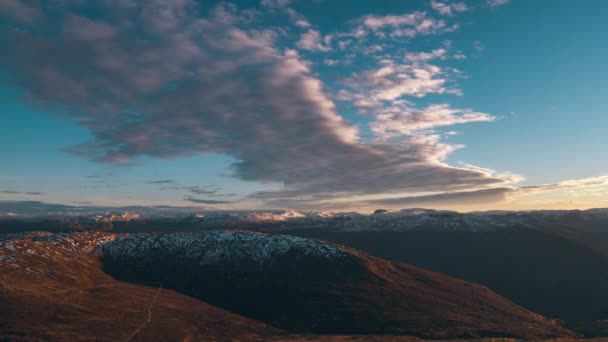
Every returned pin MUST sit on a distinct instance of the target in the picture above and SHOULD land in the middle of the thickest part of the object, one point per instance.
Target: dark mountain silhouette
(544, 272)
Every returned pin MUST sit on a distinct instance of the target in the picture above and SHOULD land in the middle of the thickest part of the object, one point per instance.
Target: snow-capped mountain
(219, 247)
(285, 220)
(427, 219)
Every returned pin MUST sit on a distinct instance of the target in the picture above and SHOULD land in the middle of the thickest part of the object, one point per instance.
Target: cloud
(409, 19)
(311, 41)
(426, 56)
(205, 201)
(390, 87)
(581, 185)
(508, 177)
(302, 23)
(284, 6)
(219, 84)
(38, 208)
(405, 25)
(14, 192)
(15, 9)
(207, 190)
(275, 3)
(100, 175)
(584, 192)
(77, 27)
(459, 199)
(495, 3)
(162, 181)
(85, 203)
(454, 199)
(210, 190)
(203, 190)
(392, 81)
(223, 195)
(34, 208)
(449, 9)
(406, 121)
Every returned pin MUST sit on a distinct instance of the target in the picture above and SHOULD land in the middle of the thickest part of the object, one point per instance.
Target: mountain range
(549, 262)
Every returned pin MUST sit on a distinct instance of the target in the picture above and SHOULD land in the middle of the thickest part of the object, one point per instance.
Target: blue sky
(345, 105)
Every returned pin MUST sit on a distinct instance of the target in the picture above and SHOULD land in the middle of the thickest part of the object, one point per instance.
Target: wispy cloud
(210, 190)
(203, 191)
(161, 181)
(100, 175)
(205, 201)
(449, 199)
(276, 3)
(285, 6)
(426, 56)
(449, 8)
(589, 183)
(392, 81)
(15, 192)
(404, 25)
(406, 121)
(38, 208)
(495, 3)
(85, 203)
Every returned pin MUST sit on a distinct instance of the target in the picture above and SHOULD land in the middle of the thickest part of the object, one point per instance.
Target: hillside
(51, 288)
(54, 287)
(544, 272)
(302, 285)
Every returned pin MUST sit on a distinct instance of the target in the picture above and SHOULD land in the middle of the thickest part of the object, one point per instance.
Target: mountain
(53, 289)
(547, 273)
(235, 285)
(309, 286)
(134, 219)
(550, 261)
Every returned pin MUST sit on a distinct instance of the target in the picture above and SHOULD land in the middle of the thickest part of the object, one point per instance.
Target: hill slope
(546, 273)
(307, 286)
(52, 289)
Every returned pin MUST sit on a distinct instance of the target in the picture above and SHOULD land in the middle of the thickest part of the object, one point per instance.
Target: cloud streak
(449, 199)
(15, 192)
(496, 3)
(162, 181)
(205, 201)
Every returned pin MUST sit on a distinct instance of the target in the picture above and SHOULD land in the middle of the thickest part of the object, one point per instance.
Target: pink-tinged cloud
(155, 79)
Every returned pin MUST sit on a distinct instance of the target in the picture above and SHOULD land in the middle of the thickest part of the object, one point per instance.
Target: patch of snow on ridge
(75, 242)
(220, 247)
(273, 217)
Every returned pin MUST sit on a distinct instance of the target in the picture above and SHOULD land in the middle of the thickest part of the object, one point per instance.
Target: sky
(305, 104)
